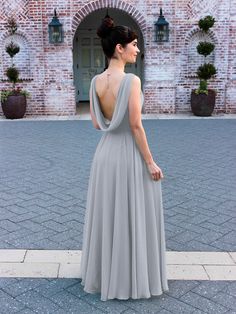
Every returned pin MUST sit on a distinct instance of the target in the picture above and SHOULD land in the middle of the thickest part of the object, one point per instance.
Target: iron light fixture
(161, 29)
(55, 30)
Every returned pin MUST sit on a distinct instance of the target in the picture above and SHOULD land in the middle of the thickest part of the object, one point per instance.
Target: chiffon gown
(123, 250)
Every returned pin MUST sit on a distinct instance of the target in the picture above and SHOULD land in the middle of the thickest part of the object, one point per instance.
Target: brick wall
(47, 69)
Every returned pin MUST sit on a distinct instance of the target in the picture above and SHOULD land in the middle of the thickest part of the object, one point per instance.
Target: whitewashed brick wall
(168, 68)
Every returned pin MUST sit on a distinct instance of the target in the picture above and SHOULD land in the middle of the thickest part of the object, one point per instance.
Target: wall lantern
(161, 29)
(55, 30)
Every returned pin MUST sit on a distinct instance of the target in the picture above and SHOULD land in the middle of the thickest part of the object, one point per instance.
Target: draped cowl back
(121, 104)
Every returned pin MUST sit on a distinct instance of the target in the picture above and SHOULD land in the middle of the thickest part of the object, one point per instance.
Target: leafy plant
(12, 72)
(205, 48)
(206, 70)
(18, 91)
(206, 23)
(202, 88)
(12, 49)
(12, 25)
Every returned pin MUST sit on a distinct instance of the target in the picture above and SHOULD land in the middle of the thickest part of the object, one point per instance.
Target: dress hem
(123, 297)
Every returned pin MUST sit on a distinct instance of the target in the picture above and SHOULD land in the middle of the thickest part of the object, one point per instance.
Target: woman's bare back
(107, 87)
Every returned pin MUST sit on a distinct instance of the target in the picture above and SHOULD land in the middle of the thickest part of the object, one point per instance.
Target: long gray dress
(123, 253)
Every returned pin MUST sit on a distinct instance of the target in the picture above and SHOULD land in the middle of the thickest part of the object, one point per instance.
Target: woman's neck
(115, 64)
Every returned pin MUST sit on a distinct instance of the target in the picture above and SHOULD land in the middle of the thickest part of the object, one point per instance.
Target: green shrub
(205, 48)
(206, 71)
(5, 93)
(13, 74)
(12, 49)
(206, 23)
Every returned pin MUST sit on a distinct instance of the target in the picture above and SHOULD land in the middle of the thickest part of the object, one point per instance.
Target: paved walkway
(66, 264)
(44, 168)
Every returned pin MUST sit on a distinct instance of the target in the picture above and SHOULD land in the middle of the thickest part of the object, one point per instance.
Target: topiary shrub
(206, 70)
(206, 23)
(12, 72)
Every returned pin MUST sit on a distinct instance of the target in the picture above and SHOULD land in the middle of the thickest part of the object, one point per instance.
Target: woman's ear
(119, 48)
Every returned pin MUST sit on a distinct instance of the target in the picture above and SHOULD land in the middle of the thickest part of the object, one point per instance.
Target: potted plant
(13, 100)
(202, 98)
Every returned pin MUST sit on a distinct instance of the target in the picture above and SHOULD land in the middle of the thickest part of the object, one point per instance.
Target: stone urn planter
(203, 104)
(14, 107)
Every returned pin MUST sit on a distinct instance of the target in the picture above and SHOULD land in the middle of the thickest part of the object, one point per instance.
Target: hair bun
(105, 28)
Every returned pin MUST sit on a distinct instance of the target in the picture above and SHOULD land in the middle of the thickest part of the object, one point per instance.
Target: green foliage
(205, 48)
(12, 49)
(13, 74)
(202, 88)
(206, 71)
(12, 25)
(206, 23)
(5, 93)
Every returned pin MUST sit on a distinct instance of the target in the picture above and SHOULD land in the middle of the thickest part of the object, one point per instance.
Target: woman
(123, 254)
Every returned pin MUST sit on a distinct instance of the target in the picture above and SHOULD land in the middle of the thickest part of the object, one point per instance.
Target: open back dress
(123, 251)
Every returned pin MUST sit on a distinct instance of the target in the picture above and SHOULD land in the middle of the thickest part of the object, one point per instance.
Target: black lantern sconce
(161, 29)
(55, 30)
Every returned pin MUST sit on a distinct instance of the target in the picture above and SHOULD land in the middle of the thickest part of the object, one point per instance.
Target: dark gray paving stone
(46, 217)
(209, 237)
(55, 226)
(9, 304)
(223, 246)
(26, 311)
(209, 289)
(219, 219)
(203, 303)
(71, 303)
(186, 236)
(9, 225)
(176, 305)
(110, 306)
(179, 288)
(230, 288)
(130, 311)
(52, 287)
(4, 282)
(38, 303)
(150, 305)
(226, 300)
(21, 286)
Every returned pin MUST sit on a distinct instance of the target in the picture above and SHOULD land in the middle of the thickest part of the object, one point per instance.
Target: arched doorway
(88, 57)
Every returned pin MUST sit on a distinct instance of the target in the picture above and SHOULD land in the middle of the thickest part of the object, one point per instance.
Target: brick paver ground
(44, 168)
(67, 296)
(45, 165)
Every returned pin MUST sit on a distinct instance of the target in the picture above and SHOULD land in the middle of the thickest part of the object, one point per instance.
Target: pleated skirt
(123, 251)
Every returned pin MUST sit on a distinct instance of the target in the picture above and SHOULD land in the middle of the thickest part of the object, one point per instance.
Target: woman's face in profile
(131, 51)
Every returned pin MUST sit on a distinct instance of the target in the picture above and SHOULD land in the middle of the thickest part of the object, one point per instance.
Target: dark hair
(112, 35)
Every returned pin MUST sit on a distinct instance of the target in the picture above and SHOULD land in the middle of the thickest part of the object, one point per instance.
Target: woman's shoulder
(136, 82)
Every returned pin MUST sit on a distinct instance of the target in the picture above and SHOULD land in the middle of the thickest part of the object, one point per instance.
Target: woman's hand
(155, 171)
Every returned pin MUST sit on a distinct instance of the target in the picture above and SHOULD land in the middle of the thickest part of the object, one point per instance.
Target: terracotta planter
(202, 104)
(14, 107)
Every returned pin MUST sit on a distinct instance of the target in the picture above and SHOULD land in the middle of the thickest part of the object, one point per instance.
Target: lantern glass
(55, 30)
(162, 29)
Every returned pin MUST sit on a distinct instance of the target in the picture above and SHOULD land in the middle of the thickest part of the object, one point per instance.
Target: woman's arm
(138, 130)
(95, 124)
(136, 122)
